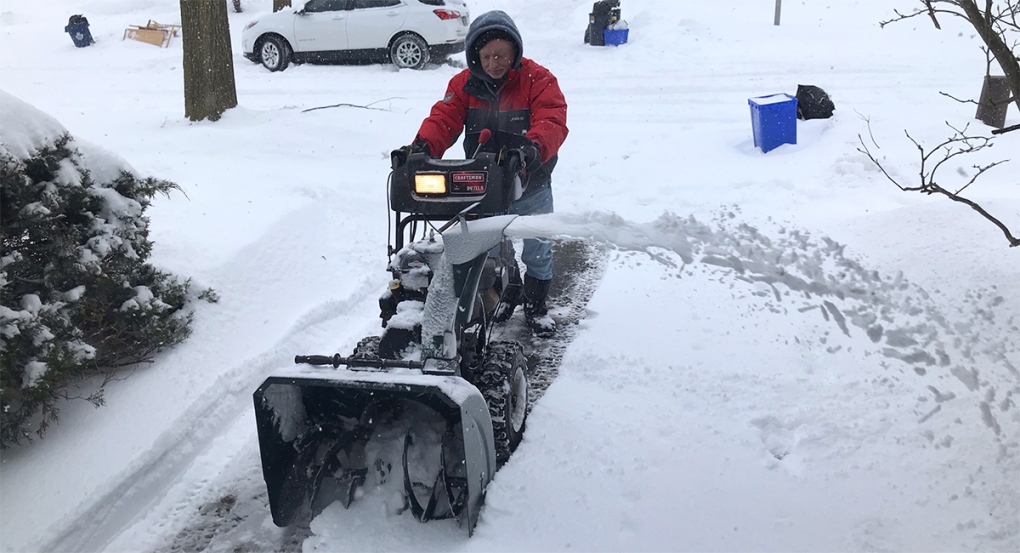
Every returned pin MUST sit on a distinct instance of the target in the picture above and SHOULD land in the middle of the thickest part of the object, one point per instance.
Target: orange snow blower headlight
(430, 183)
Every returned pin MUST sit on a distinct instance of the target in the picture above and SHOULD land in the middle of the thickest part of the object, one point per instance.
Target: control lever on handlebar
(514, 163)
(484, 137)
(459, 217)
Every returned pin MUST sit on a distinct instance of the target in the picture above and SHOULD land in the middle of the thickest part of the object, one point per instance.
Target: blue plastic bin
(773, 120)
(615, 37)
(78, 28)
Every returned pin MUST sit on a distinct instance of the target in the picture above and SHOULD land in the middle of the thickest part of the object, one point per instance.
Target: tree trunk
(280, 4)
(209, 88)
(995, 43)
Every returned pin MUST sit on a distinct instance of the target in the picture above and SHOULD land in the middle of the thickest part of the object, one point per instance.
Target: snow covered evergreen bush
(77, 298)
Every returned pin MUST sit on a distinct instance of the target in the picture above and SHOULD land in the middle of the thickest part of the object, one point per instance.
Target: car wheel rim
(270, 55)
(408, 54)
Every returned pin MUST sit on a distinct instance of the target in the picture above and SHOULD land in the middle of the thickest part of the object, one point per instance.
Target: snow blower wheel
(502, 380)
(368, 347)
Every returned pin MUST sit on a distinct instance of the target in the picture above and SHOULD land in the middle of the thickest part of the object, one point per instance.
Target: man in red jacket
(521, 104)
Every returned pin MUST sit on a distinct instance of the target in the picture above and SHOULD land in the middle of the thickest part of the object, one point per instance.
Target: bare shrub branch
(1006, 129)
(995, 21)
(959, 144)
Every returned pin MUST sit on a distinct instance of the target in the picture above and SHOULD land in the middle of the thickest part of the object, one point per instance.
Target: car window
(361, 4)
(314, 6)
(433, 2)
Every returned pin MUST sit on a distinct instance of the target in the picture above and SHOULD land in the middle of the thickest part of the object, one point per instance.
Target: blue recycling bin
(615, 37)
(773, 121)
(78, 28)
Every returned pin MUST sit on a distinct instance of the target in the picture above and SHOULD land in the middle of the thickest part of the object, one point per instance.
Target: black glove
(419, 146)
(530, 157)
(398, 157)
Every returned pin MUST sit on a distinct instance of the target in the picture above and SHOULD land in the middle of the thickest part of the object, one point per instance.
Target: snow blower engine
(431, 395)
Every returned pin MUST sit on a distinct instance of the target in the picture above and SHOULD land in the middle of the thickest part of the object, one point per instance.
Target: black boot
(535, 311)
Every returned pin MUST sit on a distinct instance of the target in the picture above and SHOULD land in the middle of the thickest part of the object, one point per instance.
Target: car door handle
(392, 14)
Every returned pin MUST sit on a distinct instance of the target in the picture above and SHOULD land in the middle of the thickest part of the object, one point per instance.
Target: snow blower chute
(432, 397)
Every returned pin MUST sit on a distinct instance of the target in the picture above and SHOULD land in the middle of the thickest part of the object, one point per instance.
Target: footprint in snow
(777, 437)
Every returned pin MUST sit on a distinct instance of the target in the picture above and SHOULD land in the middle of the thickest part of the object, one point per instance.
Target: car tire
(409, 52)
(273, 52)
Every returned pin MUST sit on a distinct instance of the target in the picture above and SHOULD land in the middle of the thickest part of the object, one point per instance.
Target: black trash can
(603, 14)
(78, 28)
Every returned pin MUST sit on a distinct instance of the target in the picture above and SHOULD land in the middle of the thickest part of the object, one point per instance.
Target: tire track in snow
(578, 267)
(202, 426)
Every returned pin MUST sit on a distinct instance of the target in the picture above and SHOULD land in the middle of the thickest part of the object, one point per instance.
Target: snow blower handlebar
(429, 189)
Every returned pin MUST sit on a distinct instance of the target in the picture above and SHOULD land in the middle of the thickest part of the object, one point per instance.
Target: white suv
(407, 33)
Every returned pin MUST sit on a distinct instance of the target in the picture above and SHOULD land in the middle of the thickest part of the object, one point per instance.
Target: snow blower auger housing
(432, 395)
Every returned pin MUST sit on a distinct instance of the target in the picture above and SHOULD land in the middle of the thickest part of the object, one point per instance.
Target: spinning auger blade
(448, 492)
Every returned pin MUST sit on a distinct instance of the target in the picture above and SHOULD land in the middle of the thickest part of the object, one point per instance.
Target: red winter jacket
(529, 106)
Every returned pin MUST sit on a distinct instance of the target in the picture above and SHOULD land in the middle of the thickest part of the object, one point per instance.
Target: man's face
(496, 57)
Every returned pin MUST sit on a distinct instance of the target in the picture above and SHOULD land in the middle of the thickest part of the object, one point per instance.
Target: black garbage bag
(813, 103)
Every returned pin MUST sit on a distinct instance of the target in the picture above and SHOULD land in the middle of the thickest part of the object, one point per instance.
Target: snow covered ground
(785, 353)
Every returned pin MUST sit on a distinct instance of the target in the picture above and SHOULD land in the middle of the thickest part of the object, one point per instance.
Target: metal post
(779, 7)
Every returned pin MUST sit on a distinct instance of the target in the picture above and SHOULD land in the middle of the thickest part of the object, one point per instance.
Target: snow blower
(432, 395)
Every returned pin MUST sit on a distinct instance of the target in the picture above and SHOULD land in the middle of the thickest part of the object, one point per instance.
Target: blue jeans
(537, 254)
